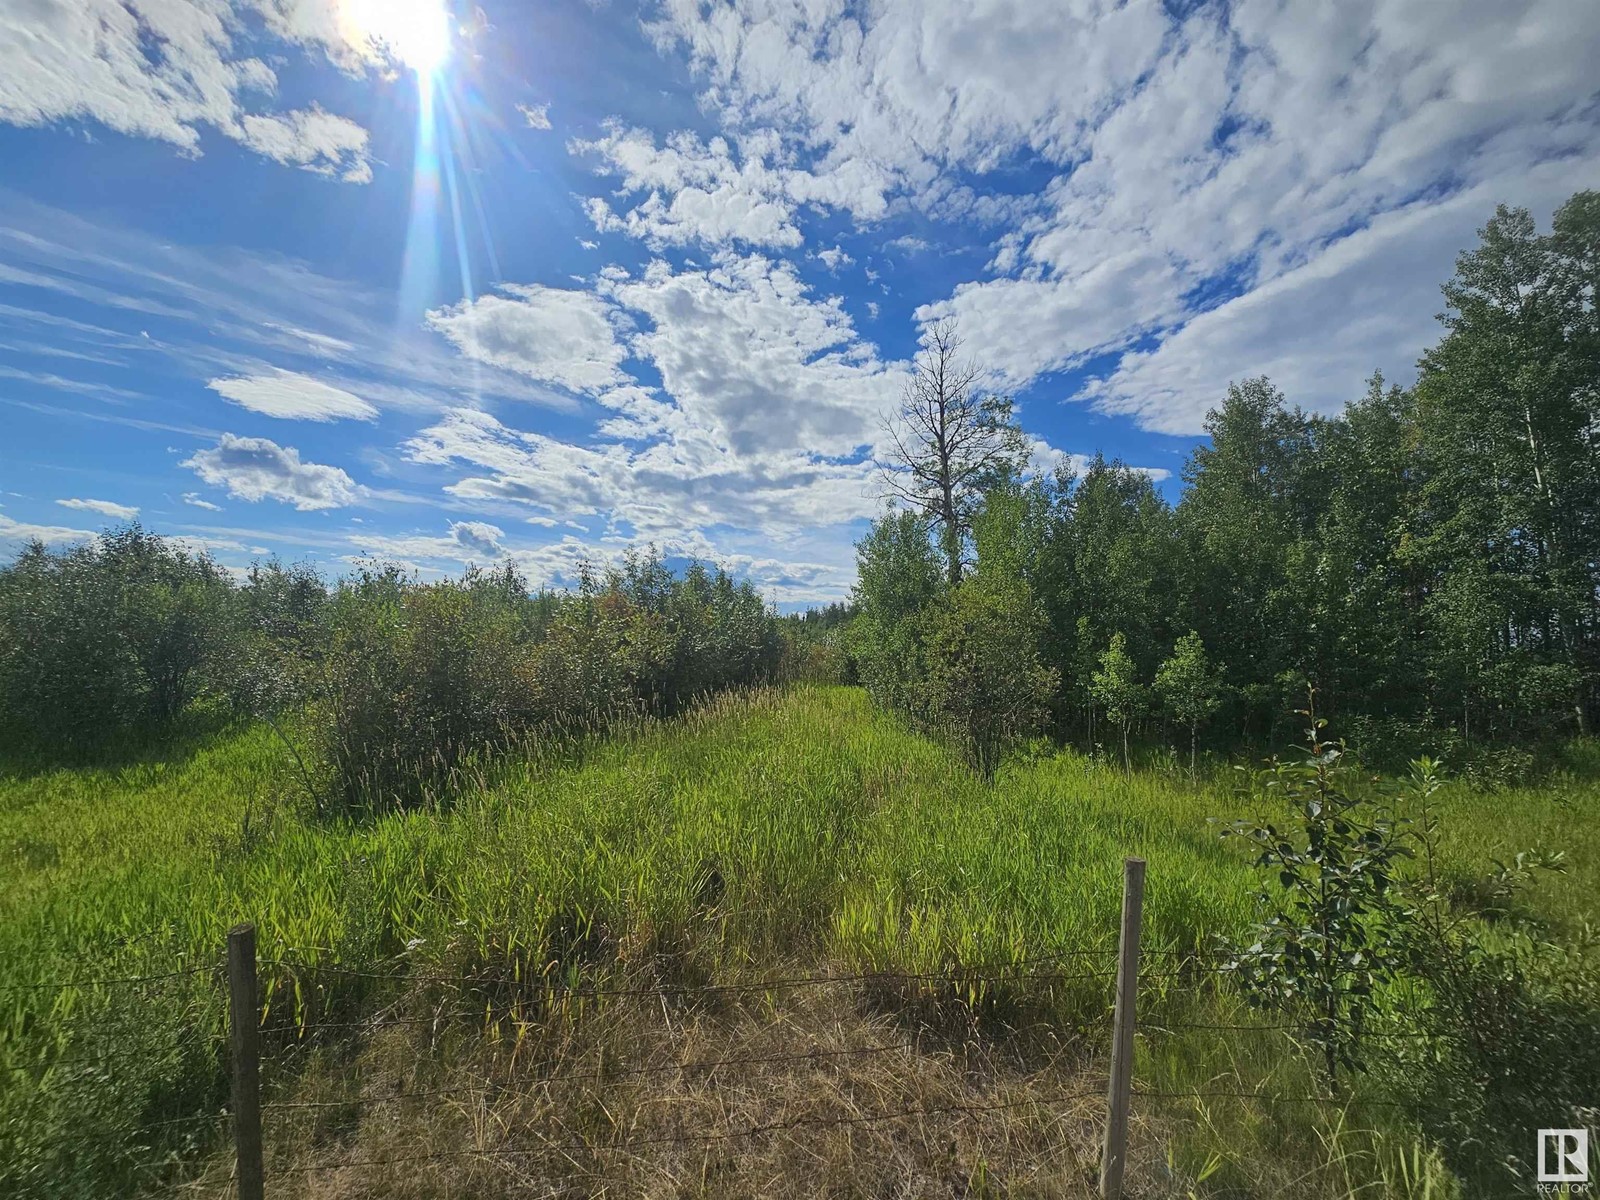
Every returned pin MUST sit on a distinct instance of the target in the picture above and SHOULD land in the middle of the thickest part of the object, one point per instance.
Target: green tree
(1509, 433)
(1253, 491)
(1189, 687)
(986, 685)
(1116, 686)
(1107, 561)
(898, 577)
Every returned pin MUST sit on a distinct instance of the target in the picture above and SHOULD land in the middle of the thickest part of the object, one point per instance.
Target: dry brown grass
(645, 1096)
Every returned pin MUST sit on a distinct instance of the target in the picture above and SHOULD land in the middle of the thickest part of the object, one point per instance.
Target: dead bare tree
(948, 441)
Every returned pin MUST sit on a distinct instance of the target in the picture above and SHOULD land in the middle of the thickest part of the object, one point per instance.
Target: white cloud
(662, 490)
(555, 335)
(1196, 157)
(768, 403)
(694, 191)
(194, 499)
(289, 395)
(256, 469)
(21, 531)
(166, 70)
(1045, 459)
(198, 544)
(466, 542)
(313, 139)
(755, 362)
(106, 508)
(891, 94)
(537, 116)
(1321, 329)
(834, 259)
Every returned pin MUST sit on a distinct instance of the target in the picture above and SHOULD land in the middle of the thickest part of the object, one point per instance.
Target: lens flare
(413, 32)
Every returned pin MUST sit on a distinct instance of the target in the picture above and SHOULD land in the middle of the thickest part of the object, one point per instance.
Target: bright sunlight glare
(415, 32)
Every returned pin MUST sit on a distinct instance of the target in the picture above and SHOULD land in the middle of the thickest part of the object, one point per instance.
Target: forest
(1428, 560)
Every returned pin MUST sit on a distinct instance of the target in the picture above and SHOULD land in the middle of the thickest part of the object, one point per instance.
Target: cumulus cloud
(167, 71)
(693, 191)
(537, 116)
(900, 91)
(756, 362)
(478, 537)
(256, 469)
(834, 258)
(313, 139)
(466, 542)
(660, 490)
(554, 335)
(106, 508)
(290, 395)
(761, 427)
(1199, 156)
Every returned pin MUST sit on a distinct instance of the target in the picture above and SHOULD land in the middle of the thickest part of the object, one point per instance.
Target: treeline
(388, 684)
(1428, 560)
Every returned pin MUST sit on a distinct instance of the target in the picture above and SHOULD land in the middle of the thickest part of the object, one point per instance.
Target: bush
(985, 684)
(1509, 1017)
(418, 679)
(117, 636)
(282, 635)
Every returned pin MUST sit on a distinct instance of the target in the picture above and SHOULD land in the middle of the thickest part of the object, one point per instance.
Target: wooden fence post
(1115, 1158)
(243, 1017)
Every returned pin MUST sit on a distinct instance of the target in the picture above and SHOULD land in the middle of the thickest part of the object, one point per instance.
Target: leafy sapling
(1329, 937)
(1190, 687)
(1116, 686)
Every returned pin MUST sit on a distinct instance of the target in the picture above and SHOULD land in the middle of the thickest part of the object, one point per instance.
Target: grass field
(761, 835)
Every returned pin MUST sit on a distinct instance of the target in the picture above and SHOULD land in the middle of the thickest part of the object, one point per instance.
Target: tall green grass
(768, 830)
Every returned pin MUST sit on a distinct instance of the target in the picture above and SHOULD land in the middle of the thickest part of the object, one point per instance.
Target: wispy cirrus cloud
(293, 396)
(105, 508)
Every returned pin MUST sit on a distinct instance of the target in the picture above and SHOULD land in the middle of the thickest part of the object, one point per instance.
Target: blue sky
(330, 279)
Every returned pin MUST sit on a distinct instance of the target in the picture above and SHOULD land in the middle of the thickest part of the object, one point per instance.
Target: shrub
(1508, 1018)
(985, 683)
(116, 636)
(1331, 918)
(416, 680)
(282, 634)
(420, 679)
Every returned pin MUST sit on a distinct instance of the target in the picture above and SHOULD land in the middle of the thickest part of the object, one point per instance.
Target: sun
(414, 32)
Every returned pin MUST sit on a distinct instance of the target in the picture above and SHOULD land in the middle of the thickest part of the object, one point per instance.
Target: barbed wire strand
(65, 984)
(707, 1064)
(1267, 1096)
(754, 1131)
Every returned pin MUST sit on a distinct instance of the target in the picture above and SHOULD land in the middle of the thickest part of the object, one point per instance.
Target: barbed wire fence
(248, 1112)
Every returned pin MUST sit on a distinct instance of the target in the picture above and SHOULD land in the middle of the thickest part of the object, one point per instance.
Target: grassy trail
(800, 829)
